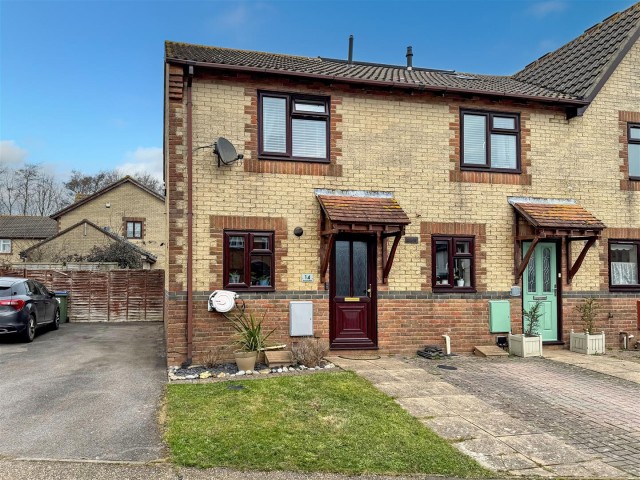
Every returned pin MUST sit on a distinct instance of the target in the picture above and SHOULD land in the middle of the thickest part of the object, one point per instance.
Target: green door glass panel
(539, 285)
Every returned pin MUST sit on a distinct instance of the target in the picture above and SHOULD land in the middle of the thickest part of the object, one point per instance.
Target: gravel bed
(229, 371)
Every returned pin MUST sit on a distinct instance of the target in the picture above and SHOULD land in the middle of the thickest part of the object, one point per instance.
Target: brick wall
(578, 158)
(17, 246)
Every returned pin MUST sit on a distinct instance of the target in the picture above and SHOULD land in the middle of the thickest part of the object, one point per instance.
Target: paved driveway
(86, 391)
(523, 416)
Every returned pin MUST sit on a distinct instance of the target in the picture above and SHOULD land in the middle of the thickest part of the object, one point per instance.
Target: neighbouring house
(126, 209)
(404, 203)
(20, 232)
(76, 242)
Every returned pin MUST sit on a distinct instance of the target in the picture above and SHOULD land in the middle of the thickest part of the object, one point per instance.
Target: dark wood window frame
(451, 287)
(489, 129)
(245, 282)
(630, 142)
(623, 288)
(292, 113)
(10, 246)
(134, 222)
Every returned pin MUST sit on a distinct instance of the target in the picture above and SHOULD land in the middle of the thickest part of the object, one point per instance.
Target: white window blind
(475, 148)
(310, 107)
(634, 160)
(506, 123)
(309, 138)
(5, 246)
(274, 124)
(503, 151)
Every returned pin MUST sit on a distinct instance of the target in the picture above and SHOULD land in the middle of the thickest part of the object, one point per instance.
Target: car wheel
(30, 332)
(56, 321)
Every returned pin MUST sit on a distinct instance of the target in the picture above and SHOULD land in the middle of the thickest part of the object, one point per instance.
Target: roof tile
(370, 210)
(559, 216)
(14, 226)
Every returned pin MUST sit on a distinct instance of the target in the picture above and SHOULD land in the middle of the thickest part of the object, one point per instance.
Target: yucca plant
(249, 332)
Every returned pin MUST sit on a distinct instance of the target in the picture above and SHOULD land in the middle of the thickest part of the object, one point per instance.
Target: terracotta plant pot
(246, 360)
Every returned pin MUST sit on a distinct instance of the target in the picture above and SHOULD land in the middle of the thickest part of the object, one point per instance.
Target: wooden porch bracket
(388, 261)
(326, 255)
(527, 257)
(578, 263)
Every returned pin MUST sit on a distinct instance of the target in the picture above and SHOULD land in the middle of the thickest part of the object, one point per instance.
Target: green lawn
(327, 422)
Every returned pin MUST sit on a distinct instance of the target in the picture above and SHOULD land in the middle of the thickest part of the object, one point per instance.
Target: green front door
(539, 285)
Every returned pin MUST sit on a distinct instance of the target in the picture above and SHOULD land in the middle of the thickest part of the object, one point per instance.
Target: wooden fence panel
(114, 296)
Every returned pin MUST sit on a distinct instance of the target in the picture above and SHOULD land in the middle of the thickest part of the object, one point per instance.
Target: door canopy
(554, 218)
(361, 212)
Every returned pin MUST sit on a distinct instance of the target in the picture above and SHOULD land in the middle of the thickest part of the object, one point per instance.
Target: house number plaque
(307, 277)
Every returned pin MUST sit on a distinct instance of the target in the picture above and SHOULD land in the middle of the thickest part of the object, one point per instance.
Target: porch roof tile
(369, 210)
(559, 216)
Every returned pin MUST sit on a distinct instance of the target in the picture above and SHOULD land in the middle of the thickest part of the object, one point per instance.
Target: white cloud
(11, 153)
(542, 9)
(142, 160)
(237, 17)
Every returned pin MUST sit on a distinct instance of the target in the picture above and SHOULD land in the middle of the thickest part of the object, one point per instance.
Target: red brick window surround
(257, 163)
(462, 173)
(629, 126)
(489, 141)
(624, 265)
(430, 232)
(5, 246)
(293, 127)
(133, 228)
(249, 260)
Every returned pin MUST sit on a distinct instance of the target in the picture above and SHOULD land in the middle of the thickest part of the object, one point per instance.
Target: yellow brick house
(404, 203)
(124, 211)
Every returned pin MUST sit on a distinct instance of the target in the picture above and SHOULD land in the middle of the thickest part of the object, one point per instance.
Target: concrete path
(607, 364)
(86, 391)
(482, 406)
(30, 470)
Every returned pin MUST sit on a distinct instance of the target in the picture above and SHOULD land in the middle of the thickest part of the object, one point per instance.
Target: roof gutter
(379, 83)
(189, 359)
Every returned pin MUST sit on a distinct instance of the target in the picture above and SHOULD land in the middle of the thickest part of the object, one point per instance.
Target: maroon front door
(353, 293)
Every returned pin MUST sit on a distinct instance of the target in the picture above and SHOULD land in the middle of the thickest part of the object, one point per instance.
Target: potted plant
(529, 343)
(587, 341)
(234, 277)
(250, 339)
(459, 276)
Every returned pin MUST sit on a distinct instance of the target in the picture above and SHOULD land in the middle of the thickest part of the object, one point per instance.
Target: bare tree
(79, 183)
(30, 190)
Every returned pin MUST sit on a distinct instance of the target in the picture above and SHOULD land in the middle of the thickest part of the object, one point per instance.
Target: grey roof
(359, 72)
(578, 67)
(573, 74)
(14, 226)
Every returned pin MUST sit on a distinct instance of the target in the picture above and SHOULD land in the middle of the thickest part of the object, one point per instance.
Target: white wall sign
(307, 277)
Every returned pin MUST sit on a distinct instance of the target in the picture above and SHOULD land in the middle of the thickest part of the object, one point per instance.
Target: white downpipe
(447, 344)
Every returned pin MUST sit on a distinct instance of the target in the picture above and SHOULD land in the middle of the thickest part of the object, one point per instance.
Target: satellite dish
(226, 152)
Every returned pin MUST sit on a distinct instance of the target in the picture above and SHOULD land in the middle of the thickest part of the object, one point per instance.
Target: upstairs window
(248, 260)
(134, 229)
(490, 141)
(634, 151)
(453, 264)
(293, 127)
(5, 245)
(624, 270)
